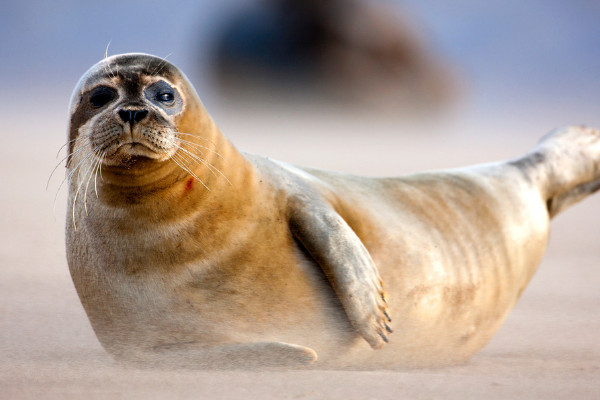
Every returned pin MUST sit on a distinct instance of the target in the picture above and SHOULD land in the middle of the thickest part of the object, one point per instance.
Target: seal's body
(189, 253)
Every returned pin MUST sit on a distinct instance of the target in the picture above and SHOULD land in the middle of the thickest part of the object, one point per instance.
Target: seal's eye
(165, 97)
(102, 95)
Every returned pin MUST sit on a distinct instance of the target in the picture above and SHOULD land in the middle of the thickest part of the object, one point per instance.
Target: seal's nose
(132, 116)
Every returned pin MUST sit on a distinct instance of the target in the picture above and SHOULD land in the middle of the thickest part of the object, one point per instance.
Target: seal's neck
(204, 173)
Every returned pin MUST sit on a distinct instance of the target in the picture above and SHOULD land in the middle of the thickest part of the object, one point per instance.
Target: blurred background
(468, 66)
(507, 59)
(504, 68)
(367, 87)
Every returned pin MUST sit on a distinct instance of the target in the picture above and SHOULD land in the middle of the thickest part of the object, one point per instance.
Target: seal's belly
(454, 260)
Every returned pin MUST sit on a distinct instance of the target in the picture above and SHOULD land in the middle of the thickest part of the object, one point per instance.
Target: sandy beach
(548, 347)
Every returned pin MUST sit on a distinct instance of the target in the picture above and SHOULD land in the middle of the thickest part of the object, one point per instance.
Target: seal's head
(129, 109)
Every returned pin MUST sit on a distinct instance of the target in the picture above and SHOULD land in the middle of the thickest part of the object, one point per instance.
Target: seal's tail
(565, 165)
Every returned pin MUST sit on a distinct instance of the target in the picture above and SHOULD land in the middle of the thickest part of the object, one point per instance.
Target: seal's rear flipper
(565, 166)
(564, 200)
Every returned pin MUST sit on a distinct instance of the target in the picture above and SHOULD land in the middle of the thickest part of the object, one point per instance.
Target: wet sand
(548, 347)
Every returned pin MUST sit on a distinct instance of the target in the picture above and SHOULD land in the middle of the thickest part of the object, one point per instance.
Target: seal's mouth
(122, 144)
(135, 149)
(130, 153)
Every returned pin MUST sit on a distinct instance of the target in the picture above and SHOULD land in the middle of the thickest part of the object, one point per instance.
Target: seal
(187, 252)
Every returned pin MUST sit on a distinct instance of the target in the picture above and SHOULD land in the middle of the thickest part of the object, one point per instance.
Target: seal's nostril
(126, 115)
(139, 115)
(132, 116)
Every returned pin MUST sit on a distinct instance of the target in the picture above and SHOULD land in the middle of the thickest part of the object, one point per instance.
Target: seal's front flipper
(227, 356)
(346, 263)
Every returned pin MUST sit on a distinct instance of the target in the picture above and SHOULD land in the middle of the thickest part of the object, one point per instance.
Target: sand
(548, 347)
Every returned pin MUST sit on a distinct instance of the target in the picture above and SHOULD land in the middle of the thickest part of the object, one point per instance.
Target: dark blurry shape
(344, 49)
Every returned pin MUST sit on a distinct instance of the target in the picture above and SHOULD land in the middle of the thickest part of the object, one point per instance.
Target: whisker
(161, 64)
(68, 178)
(184, 163)
(199, 146)
(103, 156)
(110, 72)
(73, 212)
(87, 174)
(64, 158)
(197, 137)
(106, 51)
(70, 174)
(107, 70)
(98, 168)
(210, 167)
(174, 158)
(78, 189)
(93, 166)
(65, 145)
(195, 159)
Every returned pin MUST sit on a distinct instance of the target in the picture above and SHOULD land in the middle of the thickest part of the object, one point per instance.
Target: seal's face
(126, 109)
